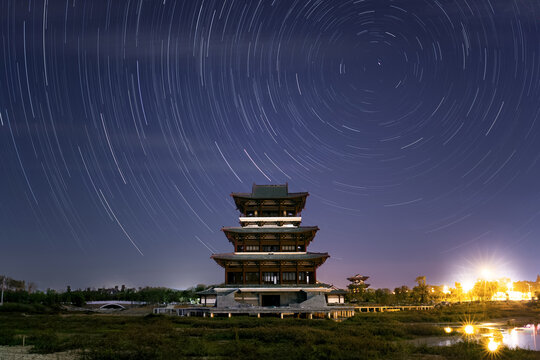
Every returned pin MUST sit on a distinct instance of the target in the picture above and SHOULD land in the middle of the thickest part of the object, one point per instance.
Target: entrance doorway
(270, 300)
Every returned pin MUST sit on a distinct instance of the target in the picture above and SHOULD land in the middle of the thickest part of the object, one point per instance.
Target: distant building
(358, 283)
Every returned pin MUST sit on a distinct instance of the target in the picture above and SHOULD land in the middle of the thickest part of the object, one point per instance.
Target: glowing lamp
(492, 345)
(468, 329)
(486, 273)
(448, 329)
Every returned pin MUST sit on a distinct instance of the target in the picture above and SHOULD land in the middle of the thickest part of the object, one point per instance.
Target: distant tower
(357, 283)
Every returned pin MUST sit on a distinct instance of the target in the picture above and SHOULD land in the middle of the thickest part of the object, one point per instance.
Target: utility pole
(3, 286)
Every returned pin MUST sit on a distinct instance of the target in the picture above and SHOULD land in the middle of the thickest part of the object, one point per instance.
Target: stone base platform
(330, 312)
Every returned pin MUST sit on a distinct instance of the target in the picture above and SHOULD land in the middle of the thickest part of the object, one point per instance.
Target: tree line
(422, 293)
(19, 291)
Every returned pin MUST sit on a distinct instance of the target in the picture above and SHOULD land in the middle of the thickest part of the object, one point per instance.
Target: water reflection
(527, 337)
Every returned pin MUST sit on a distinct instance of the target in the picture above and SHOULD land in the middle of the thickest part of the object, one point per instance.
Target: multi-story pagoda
(358, 283)
(270, 265)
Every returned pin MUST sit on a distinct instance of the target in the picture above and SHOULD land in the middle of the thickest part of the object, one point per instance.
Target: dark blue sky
(125, 125)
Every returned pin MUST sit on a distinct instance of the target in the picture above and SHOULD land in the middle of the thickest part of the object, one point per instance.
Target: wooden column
(260, 273)
(244, 273)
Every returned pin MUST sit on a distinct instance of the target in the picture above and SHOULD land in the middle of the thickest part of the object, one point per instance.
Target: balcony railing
(265, 221)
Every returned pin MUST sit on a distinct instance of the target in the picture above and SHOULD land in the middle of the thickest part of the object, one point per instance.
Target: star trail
(125, 125)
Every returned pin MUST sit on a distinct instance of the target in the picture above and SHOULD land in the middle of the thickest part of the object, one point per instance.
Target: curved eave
(273, 230)
(241, 198)
(241, 232)
(223, 259)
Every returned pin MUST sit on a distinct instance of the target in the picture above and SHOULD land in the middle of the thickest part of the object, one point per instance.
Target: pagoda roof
(240, 232)
(270, 256)
(358, 277)
(268, 230)
(222, 259)
(209, 291)
(269, 192)
(339, 291)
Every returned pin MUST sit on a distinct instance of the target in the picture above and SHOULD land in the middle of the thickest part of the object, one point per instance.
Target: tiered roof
(260, 193)
(357, 277)
(306, 232)
(321, 257)
(269, 221)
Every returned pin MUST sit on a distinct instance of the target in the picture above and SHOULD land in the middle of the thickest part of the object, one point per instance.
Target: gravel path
(21, 353)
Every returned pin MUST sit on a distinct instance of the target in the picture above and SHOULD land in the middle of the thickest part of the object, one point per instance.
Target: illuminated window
(270, 277)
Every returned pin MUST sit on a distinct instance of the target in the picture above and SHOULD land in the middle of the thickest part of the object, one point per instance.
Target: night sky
(125, 125)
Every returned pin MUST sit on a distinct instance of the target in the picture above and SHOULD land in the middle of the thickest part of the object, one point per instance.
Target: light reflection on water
(527, 337)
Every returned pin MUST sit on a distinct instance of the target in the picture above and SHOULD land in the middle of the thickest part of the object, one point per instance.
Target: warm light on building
(512, 295)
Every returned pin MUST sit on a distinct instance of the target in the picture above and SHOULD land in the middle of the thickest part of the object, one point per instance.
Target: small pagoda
(358, 283)
(270, 266)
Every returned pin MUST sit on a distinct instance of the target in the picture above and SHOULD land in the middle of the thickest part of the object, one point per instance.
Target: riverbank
(365, 336)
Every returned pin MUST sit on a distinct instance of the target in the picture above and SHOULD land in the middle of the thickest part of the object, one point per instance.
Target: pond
(526, 337)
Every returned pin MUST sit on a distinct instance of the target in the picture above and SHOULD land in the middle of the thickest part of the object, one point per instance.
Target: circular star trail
(124, 125)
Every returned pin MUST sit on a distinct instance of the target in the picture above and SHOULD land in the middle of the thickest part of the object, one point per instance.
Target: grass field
(366, 336)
